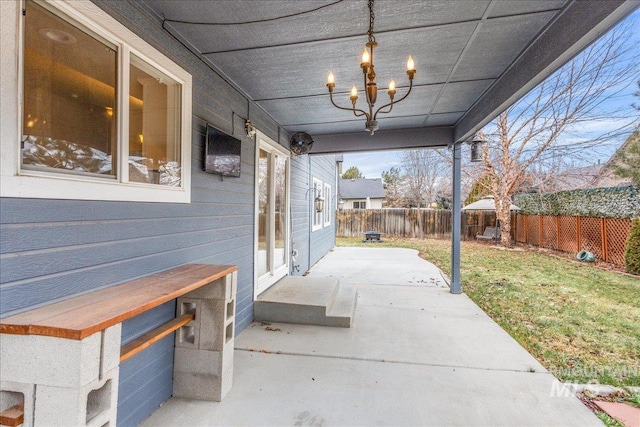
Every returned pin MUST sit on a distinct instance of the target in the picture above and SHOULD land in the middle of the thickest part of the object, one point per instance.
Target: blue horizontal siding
(146, 380)
(300, 211)
(147, 321)
(322, 240)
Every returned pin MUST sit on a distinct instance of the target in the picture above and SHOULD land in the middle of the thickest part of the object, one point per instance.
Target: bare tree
(549, 123)
(422, 171)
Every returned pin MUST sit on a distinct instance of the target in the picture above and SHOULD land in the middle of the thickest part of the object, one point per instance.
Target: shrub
(632, 253)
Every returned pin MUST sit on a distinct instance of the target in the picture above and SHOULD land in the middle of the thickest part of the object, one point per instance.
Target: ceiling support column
(456, 220)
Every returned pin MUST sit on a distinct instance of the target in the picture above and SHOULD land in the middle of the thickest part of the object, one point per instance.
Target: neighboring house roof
(361, 188)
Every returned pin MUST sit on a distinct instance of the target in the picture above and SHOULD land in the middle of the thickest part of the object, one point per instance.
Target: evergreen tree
(352, 173)
(632, 254)
(392, 183)
(627, 160)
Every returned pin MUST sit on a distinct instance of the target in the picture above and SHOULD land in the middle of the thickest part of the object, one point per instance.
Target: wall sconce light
(476, 148)
(251, 131)
(319, 203)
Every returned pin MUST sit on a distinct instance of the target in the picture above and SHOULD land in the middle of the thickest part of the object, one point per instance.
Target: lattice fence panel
(568, 239)
(591, 238)
(533, 231)
(549, 238)
(617, 233)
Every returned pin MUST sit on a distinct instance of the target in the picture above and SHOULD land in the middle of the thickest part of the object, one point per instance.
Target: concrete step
(319, 301)
(342, 311)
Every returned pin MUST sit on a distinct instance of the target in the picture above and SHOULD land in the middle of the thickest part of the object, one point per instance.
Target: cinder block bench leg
(203, 362)
(62, 381)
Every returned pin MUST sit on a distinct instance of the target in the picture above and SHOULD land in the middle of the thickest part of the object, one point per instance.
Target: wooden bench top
(84, 315)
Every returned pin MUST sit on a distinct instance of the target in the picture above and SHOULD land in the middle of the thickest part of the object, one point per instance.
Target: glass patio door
(272, 213)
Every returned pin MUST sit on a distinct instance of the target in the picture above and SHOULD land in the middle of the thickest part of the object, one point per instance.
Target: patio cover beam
(382, 140)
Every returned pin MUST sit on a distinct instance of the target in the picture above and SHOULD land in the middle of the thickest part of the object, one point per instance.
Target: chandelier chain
(372, 17)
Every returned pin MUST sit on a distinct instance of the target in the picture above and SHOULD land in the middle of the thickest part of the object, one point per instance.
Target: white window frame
(328, 211)
(316, 217)
(18, 182)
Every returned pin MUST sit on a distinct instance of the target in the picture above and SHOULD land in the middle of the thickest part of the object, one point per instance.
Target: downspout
(311, 214)
(456, 218)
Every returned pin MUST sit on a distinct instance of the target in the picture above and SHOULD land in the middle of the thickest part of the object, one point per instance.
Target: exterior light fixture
(476, 148)
(251, 131)
(371, 88)
(319, 202)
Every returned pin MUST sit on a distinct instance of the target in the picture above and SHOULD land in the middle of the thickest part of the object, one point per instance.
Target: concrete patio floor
(415, 355)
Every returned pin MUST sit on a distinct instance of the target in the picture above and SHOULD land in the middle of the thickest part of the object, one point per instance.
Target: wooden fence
(394, 222)
(604, 237)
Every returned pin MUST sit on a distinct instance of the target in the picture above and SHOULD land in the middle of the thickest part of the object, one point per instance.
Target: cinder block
(196, 361)
(49, 360)
(12, 393)
(199, 386)
(211, 320)
(230, 310)
(188, 336)
(202, 361)
(93, 404)
(224, 288)
(234, 286)
(60, 406)
(226, 377)
(111, 342)
(229, 331)
(102, 403)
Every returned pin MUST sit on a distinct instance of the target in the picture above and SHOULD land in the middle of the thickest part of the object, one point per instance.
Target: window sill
(72, 188)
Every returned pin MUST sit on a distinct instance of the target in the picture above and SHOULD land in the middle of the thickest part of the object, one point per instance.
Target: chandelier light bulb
(354, 91)
(392, 85)
(365, 56)
(410, 65)
(331, 78)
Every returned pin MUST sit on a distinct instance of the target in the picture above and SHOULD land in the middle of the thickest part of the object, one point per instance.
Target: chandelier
(371, 88)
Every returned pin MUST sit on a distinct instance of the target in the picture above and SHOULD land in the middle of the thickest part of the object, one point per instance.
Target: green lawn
(581, 322)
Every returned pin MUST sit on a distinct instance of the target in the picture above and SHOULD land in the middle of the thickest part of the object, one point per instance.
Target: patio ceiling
(473, 58)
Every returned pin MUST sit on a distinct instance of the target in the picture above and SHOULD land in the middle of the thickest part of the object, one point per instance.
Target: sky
(372, 164)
